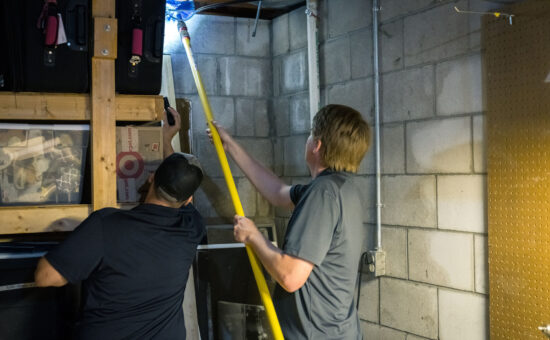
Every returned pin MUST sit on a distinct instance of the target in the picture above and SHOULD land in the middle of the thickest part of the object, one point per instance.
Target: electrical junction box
(42, 164)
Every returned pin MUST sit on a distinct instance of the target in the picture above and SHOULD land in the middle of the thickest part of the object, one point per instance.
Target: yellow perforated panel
(517, 79)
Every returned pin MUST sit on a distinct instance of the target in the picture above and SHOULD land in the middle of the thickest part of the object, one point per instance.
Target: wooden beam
(38, 219)
(44, 106)
(139, 108)
(103, 8)
(71, 106)
(103, 134)
(105, 38)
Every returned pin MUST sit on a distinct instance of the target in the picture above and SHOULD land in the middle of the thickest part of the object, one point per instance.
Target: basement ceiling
(270, 8)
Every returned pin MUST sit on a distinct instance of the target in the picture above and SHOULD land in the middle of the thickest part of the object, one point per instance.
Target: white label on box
(129, 139)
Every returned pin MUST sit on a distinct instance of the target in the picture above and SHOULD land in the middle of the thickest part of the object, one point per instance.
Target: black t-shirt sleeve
(312, 226)
(81, 252)
(296, 192)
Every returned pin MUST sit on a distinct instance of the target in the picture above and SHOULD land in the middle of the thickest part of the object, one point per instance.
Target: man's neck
(317, 170)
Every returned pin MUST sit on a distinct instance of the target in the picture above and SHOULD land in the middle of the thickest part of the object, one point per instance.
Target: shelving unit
(101, 108)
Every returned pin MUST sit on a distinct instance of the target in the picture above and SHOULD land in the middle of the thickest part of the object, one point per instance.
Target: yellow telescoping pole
(258, 275)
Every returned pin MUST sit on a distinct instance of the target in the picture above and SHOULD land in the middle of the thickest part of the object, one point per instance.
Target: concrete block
(369, 302)
(410, 307)
(393, 149)
(260, 149)
(367, 185)
(276, 62)
(223, 110)
(458, 84)
(463, 316)
(414, 337)
(245, 76)
(263, 207)
(368, 164)
(361, 53)
(334, 61)
(391, 46)
(394, 243)
(299, 114)
(435, 34)
(409, 201)
(247, 195)
(184, 83)
(482, 264)
(251, 117)
(247, 45)
(462, 203)
(439, 146)
(297, 28)
(374, 331)
(212, 34)
(278, 156)
(480, 144)
(394, 8)
(441, 258)
(408, 94)
(294, 72)
(281, 108)
(244, 115)
(262, 124)
(280, 42)
(213, 200)
(295, 164)
(357, 94)
(348, 15)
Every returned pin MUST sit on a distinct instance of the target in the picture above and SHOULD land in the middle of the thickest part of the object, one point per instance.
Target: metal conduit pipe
(376, 70)
(313, 58)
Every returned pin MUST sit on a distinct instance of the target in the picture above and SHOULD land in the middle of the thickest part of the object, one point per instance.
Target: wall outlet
(376, 260)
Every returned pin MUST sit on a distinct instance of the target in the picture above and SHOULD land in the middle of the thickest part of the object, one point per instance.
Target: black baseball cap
(178, 176)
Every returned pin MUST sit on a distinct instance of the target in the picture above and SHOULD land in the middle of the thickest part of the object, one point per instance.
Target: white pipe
(313, 58)
(376, 70)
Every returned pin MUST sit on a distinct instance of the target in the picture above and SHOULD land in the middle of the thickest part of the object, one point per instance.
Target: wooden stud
(103, 134)
(105, 38)
(103, 8)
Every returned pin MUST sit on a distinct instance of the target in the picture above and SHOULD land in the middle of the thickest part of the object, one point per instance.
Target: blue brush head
(179, 9)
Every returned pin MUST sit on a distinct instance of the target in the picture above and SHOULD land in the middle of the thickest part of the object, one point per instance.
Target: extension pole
(258, 275)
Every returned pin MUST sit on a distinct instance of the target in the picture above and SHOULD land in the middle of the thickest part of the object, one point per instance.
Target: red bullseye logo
(129, 165)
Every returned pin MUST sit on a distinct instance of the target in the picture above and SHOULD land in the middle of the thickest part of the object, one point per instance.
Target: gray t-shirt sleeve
(312, 226)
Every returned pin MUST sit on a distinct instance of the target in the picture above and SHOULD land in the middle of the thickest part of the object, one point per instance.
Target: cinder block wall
(434, 175)
(236, 71)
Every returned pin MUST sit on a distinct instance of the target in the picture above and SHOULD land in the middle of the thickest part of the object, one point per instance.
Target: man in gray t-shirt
(317, 268)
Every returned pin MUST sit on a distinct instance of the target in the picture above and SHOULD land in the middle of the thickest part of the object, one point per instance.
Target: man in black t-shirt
(134, 264)
(317, 268)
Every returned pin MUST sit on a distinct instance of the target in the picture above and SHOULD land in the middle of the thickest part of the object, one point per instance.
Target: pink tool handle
(51, 30)
(137, 41)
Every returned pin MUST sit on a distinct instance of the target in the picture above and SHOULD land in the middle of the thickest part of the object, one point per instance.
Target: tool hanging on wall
(495, 14)
(256, 269)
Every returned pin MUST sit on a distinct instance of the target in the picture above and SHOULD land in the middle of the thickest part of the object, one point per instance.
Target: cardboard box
(42, 164)
(139, 153)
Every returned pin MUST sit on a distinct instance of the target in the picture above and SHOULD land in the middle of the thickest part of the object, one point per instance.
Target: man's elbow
(291, 284)
(46, 276)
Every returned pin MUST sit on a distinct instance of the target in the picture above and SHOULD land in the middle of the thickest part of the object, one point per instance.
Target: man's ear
(151, 178)
(316, 145)
(187, 201)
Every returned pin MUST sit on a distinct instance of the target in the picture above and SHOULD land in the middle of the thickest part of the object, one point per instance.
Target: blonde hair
(344, 135)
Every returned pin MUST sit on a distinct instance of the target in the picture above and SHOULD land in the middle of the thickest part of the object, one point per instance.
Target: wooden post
(103, 118)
